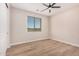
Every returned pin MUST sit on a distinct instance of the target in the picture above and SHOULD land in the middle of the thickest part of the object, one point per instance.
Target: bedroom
(39, 29)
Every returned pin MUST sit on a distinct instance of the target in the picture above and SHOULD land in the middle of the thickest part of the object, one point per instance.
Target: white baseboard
(58, 39)
(28, 41)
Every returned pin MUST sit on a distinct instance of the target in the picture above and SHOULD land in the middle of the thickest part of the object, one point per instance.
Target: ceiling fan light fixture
(49, 10)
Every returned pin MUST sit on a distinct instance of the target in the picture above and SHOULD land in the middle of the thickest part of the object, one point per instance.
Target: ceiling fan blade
(56, 7)
(53, 4)
(44, 9)
(45, 5)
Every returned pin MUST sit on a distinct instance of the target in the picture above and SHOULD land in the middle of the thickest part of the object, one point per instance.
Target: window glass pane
(37, 22)
(30, 22)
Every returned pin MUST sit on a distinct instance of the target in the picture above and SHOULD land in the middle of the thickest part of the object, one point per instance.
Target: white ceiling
(37, 7)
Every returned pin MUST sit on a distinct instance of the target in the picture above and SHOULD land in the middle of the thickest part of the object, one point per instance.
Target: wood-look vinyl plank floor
(46, 47)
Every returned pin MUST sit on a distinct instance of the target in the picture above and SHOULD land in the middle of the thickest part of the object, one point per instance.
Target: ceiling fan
(50, 6)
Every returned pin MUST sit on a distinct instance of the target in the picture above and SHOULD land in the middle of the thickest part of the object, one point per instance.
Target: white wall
(4, 18)
(65, 26)
(62, 26)
(19, 32)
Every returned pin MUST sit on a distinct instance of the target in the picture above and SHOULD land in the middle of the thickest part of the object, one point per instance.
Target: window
(34, 24)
